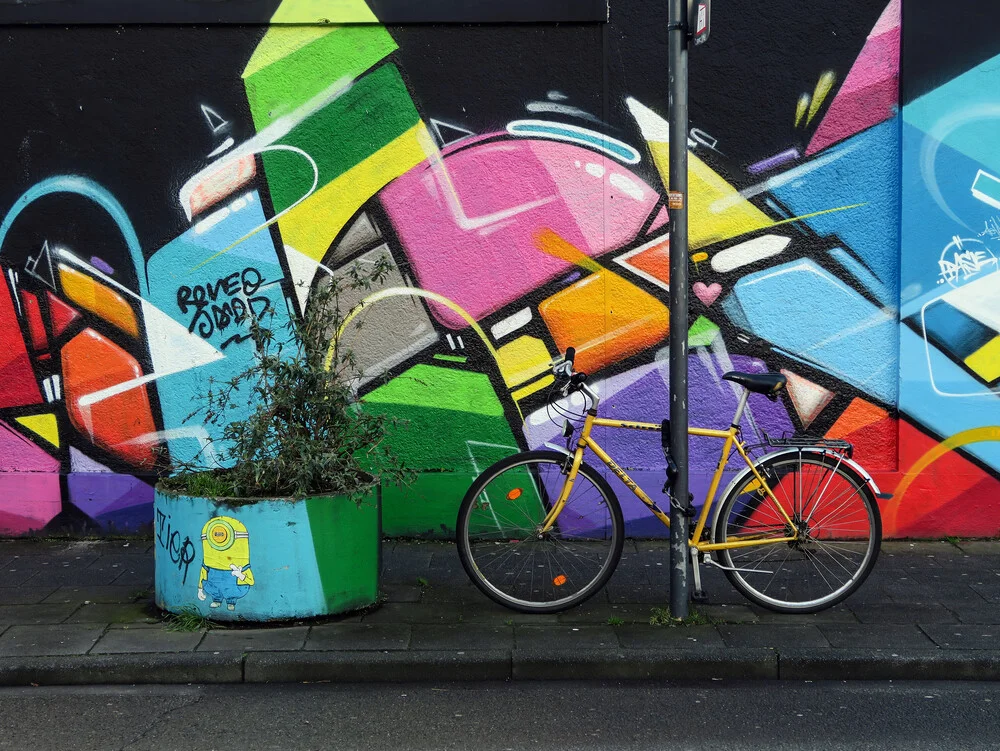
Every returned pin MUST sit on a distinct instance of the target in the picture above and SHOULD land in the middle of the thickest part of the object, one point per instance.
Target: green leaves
(305, 433)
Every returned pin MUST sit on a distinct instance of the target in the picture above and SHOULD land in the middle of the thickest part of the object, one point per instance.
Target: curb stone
(501, 665)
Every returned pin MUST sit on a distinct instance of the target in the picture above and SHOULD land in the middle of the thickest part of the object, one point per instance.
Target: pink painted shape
(870, 93)
(609, 203)
(661, 219)
(29, 484)
(708, 294)
(483, 266)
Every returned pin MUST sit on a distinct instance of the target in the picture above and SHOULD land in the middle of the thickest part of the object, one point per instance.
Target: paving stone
(139, 578)
(913, 591)
(156, 639)
(65, 639)
(456, 593)
(963, 635)
(16, 573)
(359, 636)
(836, 614)
(727, 613)
(108, 593)
(653, 594)
(644, 636)
(985, 612)
(771, 635)
(416, 612)
(256, 639)
(981, 547)
(71, 576)
(989, 589)
(922, 548)
(893, 612)
(564, 637)
(42, 613)
(24, 595)
(137, 612)
(464, 636)
(603, 612)
(869, 636)
(402, 593)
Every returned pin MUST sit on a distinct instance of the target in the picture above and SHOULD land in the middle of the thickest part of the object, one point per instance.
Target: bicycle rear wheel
(839, 526)
(506, 556)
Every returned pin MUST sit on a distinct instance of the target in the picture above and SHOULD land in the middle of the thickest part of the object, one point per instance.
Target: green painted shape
(279, 81)
(444, 409)
(702, 333)
(374, 112)
(451, 358)
(440, 388)
(347, 539)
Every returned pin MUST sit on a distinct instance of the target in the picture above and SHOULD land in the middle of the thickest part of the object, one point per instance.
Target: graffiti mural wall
(184, 179)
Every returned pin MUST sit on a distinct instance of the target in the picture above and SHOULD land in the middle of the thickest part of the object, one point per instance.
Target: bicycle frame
(731, 439)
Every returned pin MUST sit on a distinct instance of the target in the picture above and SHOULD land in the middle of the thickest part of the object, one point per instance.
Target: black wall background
(122, 104)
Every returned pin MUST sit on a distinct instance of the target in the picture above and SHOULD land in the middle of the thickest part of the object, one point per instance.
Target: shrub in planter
(288, 524)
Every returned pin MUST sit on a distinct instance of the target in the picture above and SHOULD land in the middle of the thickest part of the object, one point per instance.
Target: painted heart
(707, 293)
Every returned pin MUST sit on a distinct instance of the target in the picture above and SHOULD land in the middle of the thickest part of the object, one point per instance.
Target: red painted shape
(92, 363)
(33, 312)
(62, 315)
(952, 496)
(18, 386)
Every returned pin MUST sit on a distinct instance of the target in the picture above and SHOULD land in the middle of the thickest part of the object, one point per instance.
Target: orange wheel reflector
(514, 494)
(559, 580)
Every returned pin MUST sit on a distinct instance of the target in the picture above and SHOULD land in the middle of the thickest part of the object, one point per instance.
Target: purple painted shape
(29, 484)
(469, 233)
(643, 394)
(101, 264)
(100, 494)
(80, 462)
(870, 93)
(132, 519)
(18, 454)
(770, 163)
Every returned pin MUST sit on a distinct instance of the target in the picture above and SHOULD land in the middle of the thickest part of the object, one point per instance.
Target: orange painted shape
(858, 415)
(514, 494)
(61, 314)
(91, 363)
(655, 261)
(33, 312)
(100, 300)
(606, 319)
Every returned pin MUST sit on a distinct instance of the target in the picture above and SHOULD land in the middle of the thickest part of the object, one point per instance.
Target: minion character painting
(225, 570)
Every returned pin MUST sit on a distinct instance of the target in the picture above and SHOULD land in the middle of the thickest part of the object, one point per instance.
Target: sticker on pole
(699, 21)
(702, 18)
(675, 200)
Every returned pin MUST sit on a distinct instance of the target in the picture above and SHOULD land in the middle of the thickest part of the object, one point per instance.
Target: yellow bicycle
(796, 531)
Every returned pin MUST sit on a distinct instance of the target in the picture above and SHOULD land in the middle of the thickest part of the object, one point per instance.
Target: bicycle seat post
(740, 407)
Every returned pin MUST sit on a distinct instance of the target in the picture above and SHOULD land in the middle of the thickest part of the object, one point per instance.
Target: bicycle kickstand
(698, 594)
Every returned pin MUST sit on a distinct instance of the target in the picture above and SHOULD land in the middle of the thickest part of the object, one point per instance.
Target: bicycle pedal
(699, 596)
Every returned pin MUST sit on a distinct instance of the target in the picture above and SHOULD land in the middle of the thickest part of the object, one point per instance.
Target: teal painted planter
(270, 560)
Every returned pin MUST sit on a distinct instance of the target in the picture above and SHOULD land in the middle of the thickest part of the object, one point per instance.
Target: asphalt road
(725, 716)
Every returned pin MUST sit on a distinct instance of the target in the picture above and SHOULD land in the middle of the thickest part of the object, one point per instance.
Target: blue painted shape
(177, 265)
(573, 134)
(926, 227)
(864, 276)
(964, 112)
(972, 406)
(862, 169)
(805, 310)
(952, 330)
(87, 188)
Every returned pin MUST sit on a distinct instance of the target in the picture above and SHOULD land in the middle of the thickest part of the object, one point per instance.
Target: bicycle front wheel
(504, 551)
(840, 532)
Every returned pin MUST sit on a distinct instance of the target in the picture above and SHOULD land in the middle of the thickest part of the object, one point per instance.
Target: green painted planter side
(270, 560)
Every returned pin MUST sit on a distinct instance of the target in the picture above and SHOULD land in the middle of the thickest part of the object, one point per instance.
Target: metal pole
(677, 204)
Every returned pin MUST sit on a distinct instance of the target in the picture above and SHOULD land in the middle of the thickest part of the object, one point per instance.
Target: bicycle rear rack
(809, 441)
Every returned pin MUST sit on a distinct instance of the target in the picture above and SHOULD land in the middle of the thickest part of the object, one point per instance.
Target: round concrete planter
(269, 560)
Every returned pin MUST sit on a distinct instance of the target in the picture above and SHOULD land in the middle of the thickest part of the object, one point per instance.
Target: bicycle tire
(536, 477)
(840, 549)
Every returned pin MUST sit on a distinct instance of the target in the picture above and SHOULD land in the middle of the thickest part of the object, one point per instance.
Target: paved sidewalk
(82, 612)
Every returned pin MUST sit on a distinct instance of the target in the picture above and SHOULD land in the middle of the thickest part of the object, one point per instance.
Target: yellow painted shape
(43, 425)
(280, 42)
(716, 210)
(823, 87)
(801, 108)
(553, 244)
(531, 388)
(313, 225)
(966, 437)
(523, 359)
(90, 294)
(985, 361)
(323, 11)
